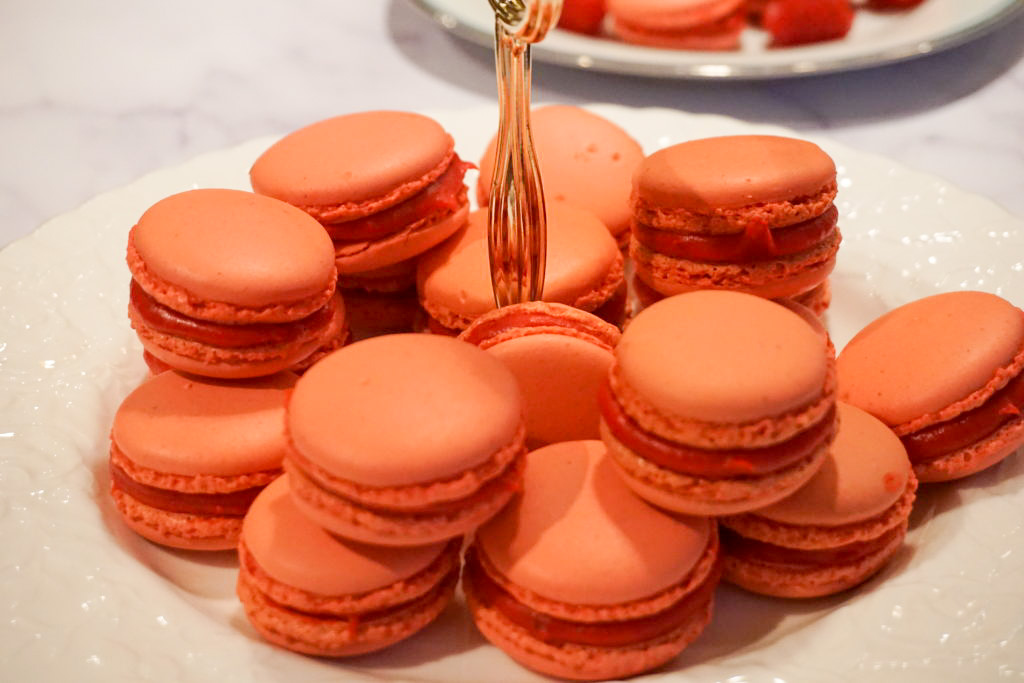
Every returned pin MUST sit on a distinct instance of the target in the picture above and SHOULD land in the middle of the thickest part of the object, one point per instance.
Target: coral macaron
(584, 270)
(230, 284)
(579, 578)
(405, 439)
(584, 158)
(307, 590)
(680, 24)
(720, 402)
(838, 529)
(189, 454)
(946, 373)
(560, 356)
(749, 213)
(386, 185)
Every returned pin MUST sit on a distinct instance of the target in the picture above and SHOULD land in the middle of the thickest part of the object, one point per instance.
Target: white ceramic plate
(876, 38)
(83, 599)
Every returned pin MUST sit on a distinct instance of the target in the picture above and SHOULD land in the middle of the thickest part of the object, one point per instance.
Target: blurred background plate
(875, 39)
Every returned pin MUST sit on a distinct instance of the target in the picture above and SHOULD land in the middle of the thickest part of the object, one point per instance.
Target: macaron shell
(578, 535)
(455, 277)
(177, 529)
(352, 159)
(191, 425)
(671, 14)
(559, 377)
(733, 171)
(295, 551)
(865, 473)
(360, 257)
(404, 409)
(584, 159)
(976, 457)
(928, 355)
(232, 247)
(722, 357)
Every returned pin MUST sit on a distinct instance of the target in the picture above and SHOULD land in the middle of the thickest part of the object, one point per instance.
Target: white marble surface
(92, 95)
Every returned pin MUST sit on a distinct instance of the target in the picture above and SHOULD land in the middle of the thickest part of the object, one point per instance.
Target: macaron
(310, 591)
(679, 24)
(230, 284)
(838, 529)
(189, 454)
(579, 578)
(584, 159)
(405, 439)
(747, 213)
(386, 185)
(584, 270)
(560, 356)
(946, 373)
(720, 402)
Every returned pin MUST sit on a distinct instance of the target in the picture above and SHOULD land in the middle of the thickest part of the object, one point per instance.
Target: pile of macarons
(334, 395)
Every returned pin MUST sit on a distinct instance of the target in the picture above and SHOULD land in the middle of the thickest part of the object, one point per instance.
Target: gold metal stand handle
(517, 236)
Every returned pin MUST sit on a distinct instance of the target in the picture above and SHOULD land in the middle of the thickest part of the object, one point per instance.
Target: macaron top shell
(928, 354)
(404, 409)
(297, 552)
(584, 159)
(580, 255)
(722, 357)
(733, 171)
(668, 14)
(234, 247)
(188, 425)
(865, 473)
(353, 159)
(578, 534)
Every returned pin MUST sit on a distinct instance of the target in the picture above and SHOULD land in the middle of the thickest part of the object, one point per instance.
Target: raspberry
(794, 22)
(582, 16)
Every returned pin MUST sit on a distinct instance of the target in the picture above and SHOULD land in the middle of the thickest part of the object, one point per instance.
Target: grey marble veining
(93, 95)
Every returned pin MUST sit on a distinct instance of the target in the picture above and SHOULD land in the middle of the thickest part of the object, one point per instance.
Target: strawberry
(582, 16)
(794, 22)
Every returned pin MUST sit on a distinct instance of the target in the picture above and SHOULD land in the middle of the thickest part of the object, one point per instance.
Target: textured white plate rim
(876, 39)
(83, 599)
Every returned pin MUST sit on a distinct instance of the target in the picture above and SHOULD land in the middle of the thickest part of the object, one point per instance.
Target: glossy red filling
(234, 504)
(750, 550)
(601, 634)
(169, 321)
(969, 427)
(757, 243)
(443, 196)
(710, 463)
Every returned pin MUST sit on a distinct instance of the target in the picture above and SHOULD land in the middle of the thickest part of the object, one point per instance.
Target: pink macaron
(189, 454)
(230, 284)
(560, 356)
(386, 185)
(307, 590)
(720, 402)
(579, 578)
(584, 159)
(946, 373)
(584, 270)
(405, 439)
(838, 529)
(680, 24)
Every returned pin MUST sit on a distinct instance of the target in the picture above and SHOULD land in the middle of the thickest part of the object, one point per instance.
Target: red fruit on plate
(795, 22)
(582, 16)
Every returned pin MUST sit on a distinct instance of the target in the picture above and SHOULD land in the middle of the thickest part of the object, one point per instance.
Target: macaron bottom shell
(181, 530)
(1003, 443)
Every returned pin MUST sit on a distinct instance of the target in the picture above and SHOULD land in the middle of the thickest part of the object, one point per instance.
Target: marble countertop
(96, 94)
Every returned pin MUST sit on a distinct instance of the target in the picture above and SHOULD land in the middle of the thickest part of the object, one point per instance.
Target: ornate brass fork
(517, 230)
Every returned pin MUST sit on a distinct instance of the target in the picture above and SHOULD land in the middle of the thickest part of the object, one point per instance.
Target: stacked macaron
(680, 24)
(584, 270)
(230, 284)
(746, 213)
(386, 186)
(398, 446)
(720, 402)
